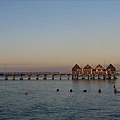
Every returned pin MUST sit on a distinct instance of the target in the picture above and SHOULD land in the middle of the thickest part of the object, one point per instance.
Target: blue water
(44, 103)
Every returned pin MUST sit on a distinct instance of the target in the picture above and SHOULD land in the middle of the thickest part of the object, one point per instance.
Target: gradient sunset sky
(55, 35)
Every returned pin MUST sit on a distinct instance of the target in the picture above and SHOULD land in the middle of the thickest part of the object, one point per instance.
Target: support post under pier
(37, 77)
(68, 77)
(6, 77)
(29, 77)
(60, 77)
(44, 77)
(21, 77)
(52, 77)
(83, 77)
(13, 77)
(115, 76)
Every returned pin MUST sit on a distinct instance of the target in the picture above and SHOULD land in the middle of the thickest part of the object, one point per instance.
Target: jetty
(44, 75)
(86, 72)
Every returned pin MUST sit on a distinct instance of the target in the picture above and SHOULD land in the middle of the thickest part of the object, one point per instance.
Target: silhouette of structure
(86, 72)
(99, 72)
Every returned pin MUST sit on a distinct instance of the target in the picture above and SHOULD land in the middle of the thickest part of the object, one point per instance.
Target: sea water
(43, 102)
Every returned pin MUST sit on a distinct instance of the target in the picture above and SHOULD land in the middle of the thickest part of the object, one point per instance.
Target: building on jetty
(87, 69)
(86, 72)
(76, 71)
(98, 72)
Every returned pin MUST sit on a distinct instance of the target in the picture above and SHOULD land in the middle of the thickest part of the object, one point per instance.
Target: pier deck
(44, 75)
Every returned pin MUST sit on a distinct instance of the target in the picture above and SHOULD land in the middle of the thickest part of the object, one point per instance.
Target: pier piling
(6, 77)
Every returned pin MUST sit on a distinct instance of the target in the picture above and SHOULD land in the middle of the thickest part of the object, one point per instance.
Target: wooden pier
(87, 72)
(44, 75)
(52, 75)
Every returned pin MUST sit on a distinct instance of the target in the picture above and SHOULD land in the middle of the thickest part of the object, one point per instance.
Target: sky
(54, 35)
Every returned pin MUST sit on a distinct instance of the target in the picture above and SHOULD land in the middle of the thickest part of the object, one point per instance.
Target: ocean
(43, 102)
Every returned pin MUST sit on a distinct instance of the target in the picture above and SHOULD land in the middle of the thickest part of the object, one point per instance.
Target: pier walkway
(44, 75)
